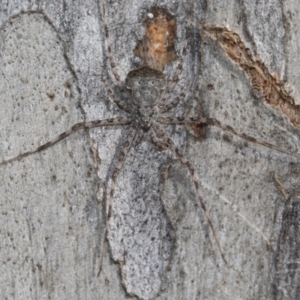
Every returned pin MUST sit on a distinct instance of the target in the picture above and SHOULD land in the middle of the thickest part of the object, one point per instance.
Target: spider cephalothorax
(146, 86)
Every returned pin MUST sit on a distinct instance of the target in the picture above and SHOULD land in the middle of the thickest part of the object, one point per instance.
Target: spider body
(145, 86)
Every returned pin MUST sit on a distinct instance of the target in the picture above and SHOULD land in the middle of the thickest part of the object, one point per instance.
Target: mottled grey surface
(52, 203)
(286, 281)
(46, 228)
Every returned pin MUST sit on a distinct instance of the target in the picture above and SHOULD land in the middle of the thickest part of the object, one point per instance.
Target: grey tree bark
(53, 203)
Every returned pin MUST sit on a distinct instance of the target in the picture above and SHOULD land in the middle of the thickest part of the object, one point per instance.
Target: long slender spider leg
(161, 139)
(118, 99)
(116, 77)
(82, 125)
(167, 106)
(175, 78)
(180, 120)
(128, 143)
(122, 103)
(215, 122)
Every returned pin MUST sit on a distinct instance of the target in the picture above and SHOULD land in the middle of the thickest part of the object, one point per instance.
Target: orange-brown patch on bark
(157, 48)
(262, 80)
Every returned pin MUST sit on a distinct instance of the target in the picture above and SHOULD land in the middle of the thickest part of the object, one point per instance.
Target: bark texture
(158, 244)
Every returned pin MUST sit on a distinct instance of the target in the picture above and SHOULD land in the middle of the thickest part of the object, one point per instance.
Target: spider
(146, 106)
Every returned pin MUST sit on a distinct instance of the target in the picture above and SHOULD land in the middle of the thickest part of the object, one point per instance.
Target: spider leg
(160, 138)
(128, 143)
(82, 125)
(215, 122)
(175, 78)
(116, 77)
(175, 101)
(121, 101)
